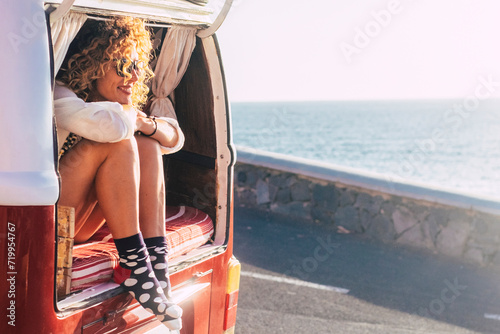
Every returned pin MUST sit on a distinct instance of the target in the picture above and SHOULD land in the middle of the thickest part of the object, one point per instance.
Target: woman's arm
(166, 131)
(98, 121)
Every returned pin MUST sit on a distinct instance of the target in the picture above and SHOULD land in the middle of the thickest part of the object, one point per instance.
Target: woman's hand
(144, 124)
(162, 131)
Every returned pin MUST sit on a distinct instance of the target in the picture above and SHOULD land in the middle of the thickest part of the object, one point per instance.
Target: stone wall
(457, 225)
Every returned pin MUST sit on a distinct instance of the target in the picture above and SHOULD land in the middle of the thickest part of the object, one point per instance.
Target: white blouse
(104, 122)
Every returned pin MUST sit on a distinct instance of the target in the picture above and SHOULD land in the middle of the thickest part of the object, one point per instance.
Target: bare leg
(152, 209)
(104, 172)
(152, 188)
(109, 174)
(94, 222)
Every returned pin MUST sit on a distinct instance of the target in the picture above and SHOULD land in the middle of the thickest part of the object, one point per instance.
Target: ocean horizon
(448, 143)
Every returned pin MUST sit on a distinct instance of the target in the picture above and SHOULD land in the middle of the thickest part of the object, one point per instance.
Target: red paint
(34, 268)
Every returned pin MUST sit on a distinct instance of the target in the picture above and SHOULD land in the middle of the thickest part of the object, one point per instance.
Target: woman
(111, 154)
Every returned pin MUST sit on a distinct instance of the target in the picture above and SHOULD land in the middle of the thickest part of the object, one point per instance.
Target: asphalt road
(305, 278)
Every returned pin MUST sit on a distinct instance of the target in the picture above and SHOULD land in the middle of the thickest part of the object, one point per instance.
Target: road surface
(304, 278)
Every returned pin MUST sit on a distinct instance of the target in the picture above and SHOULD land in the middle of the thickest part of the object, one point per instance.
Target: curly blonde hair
(97, 47)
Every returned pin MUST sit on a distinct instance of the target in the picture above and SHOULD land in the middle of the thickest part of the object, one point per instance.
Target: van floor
(187, 228)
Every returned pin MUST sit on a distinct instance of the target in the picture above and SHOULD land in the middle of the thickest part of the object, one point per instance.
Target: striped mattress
(94, 262)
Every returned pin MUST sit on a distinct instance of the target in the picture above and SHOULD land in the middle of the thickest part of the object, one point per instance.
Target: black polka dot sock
(158, 253)
(138, 278)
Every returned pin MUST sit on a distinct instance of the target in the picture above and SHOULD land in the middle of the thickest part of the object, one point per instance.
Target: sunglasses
(122, 68)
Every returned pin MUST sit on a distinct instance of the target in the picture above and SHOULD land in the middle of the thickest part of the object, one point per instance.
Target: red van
(48, 284)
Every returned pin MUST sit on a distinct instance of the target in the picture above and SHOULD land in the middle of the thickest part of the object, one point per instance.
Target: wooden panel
(191, 185)
(65, 238)
(195, 107)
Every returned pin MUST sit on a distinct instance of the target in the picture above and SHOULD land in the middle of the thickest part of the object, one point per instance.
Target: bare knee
(125, 147)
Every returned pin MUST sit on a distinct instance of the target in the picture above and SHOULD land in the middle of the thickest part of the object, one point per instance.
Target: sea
(448, 144)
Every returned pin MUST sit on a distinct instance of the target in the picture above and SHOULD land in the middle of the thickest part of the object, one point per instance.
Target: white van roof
(202, 13)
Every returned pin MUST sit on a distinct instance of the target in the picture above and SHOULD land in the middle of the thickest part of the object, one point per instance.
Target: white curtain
(172, 63)
(63, 31)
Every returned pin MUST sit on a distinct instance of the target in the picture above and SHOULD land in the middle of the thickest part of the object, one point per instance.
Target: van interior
(195, 225)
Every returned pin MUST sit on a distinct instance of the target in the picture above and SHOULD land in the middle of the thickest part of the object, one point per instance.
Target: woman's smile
(126, 89)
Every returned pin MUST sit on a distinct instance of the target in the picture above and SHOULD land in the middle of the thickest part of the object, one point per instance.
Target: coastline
(414, 214)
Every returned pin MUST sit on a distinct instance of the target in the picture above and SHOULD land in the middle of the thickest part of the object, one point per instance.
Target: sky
(289, 50)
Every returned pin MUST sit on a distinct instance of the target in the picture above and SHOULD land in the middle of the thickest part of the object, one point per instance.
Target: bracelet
(156, 128)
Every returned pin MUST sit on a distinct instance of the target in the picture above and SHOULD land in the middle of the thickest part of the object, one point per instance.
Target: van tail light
(232, 289)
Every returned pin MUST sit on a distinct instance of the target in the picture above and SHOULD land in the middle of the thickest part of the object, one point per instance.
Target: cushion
(187, 228)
